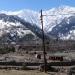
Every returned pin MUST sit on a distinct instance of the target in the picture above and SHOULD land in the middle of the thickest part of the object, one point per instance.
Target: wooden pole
(43, 44)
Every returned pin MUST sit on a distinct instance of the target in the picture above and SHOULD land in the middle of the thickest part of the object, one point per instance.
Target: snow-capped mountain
(58, 22)
(15, 29)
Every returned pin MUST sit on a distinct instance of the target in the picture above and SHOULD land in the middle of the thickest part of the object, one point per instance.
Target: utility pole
(43, 43)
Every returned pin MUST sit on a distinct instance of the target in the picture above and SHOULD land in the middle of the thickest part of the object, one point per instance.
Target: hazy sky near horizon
(33, 4)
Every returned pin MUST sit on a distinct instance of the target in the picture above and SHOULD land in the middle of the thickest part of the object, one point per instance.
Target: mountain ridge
(58, 17)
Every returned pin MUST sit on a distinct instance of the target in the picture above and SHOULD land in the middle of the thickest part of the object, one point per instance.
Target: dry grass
(16, 72)
(30, 72)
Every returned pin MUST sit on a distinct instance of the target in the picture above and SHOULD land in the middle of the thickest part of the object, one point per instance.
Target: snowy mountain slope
(57, 24)
(56, 15)
(15, 29)
(28, 15)
(64, 28)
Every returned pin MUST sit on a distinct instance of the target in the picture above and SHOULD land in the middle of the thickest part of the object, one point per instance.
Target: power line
(61, 14)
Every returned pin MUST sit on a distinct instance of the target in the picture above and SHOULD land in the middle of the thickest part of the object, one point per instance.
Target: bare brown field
(16, 72)
(31, 72)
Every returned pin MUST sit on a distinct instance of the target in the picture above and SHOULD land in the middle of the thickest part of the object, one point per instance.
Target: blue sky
(33, 4)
